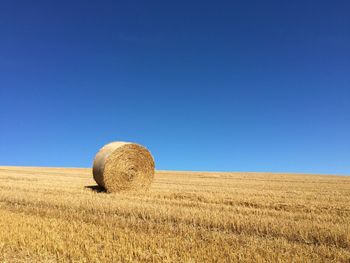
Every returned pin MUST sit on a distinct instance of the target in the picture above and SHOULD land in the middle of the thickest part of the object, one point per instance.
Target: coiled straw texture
(123, 166)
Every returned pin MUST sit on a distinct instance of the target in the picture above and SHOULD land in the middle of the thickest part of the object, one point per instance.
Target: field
(59, 215)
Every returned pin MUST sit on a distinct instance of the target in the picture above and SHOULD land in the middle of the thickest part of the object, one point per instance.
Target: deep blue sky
(205, 85)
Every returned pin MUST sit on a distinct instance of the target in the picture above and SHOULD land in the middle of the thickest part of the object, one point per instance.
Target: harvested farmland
(59, 215)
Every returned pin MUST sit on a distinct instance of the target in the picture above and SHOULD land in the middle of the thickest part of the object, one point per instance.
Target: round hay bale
(122, 166)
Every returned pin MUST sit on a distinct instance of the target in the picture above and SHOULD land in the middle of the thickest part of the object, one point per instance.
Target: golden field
(58, 215)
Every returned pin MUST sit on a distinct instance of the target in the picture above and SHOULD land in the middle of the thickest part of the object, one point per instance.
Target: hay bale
(121, 166)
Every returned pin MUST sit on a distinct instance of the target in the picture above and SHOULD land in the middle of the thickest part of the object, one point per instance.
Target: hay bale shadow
(96, 188)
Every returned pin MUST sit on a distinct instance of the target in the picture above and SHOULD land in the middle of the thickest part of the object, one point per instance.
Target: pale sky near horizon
(205, 85)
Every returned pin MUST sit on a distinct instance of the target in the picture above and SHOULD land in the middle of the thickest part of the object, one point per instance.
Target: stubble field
(58, 215)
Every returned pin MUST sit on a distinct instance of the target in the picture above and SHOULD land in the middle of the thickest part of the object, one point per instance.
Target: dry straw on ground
(52, 215)
(121, 166)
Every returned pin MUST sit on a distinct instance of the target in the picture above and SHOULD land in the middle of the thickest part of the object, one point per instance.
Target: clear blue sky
(205, 85)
